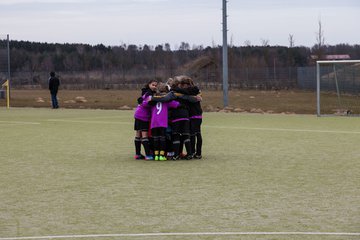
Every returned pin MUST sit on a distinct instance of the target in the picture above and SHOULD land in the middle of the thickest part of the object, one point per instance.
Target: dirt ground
(286, 101)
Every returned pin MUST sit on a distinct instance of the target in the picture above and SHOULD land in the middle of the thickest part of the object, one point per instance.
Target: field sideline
(70, 173)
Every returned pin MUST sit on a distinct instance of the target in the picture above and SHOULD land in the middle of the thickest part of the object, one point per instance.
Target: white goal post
(338, 87)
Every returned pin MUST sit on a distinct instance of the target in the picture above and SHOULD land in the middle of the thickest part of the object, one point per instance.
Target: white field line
(283, 129)
(82, 121)
(102, 117)
(219, 127)
(181, 234)
(18, 123)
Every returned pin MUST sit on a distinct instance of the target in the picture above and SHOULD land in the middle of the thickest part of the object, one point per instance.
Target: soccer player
(159, 123)
(195, 115)
(142, 121)
(180, 125)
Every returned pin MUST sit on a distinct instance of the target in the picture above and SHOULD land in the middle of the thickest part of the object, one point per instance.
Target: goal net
(4, 69)
(338, 88)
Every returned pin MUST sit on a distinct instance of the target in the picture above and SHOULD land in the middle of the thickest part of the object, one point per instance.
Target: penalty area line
(18, 123)
(283, 129)
(180, 234)
(81, 121)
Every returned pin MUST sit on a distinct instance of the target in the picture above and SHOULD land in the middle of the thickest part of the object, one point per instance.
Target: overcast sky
(197, 22)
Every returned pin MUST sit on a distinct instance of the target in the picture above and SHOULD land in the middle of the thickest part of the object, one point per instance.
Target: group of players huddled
(168, 117)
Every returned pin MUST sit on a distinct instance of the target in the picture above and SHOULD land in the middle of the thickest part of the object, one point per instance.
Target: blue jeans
(54, 100)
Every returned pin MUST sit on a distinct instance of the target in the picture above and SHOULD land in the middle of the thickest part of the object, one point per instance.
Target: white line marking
(284, 129)
(181, 234)
(102, 117)
(80, 121)
(18, 123)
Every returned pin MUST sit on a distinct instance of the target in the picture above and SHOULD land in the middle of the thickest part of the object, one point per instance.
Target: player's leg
(197, 130)
(156, 142)
(162, 138)
(169, 146)
(198, 146)
(137, 142)
(176, 140)
(185, 134)
(192, 136)
(145, 143)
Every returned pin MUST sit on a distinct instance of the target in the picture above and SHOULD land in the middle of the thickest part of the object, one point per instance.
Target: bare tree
(320, 41)
(213, 43)
(264, 42)
(247, 43)
(291, 40)
(231, 40)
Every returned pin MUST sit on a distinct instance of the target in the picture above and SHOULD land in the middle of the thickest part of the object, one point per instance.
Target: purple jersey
(159, 113)
(143, 110)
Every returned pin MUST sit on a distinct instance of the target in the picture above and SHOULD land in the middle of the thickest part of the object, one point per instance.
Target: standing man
(54, 84)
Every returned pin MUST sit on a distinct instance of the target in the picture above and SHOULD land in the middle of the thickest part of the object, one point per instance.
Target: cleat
(188, 157)
(174, 158)
(157, 158)
(197, 156)
(139, 157)
(162, 158)
(149, 157)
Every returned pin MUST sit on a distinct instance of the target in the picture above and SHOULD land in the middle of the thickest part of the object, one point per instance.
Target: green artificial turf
(72, 172)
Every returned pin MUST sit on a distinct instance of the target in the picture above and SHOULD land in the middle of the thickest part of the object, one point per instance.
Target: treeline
(36, 57)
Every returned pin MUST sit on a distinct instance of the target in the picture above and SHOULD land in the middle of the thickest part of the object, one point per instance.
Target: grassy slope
(73, 174)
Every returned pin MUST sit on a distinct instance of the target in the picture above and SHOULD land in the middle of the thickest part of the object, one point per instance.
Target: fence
(4, 58)
(244, 78)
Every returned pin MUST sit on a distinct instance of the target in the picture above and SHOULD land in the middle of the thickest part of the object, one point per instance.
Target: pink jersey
(159, 113)
(143, 110)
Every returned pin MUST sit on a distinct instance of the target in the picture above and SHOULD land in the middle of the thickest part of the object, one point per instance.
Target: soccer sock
(176, 144)
(162, 144)
(156, 145)
(198, 144)
(193, 142)
(187, 144)
(169, 145)
(137, 142)
(145, 143)
(181, 146)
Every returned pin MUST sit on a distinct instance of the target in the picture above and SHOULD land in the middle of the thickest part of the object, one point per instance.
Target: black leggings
(178, 139)
(159, 138)
(196, 140)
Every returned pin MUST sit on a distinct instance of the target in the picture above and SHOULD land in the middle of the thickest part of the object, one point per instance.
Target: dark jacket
(54, 84)
(194, 107)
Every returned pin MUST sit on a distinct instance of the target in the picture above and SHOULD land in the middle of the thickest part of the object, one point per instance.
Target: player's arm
(193, 90)
(166, 98)
(189, 98)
